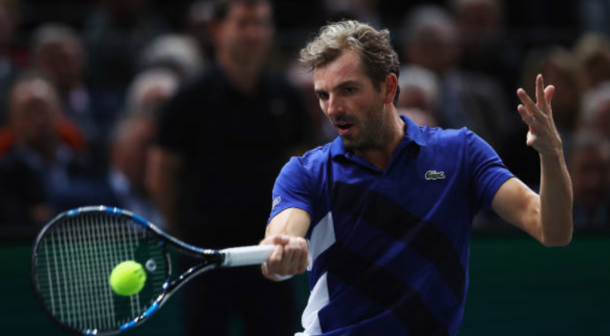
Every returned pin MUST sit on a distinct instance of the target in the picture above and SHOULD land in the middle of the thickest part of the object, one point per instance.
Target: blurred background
(82, 81)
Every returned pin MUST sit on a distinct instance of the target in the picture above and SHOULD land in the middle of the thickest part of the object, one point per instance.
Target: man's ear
(389, 88)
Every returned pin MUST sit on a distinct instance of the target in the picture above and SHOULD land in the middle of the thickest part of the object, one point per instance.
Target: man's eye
(350, 89)
(322, 95)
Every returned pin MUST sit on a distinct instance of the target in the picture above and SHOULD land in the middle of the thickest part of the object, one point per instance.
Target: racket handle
(247, 255)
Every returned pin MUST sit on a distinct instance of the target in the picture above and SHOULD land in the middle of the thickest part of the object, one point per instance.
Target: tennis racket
(76, 252)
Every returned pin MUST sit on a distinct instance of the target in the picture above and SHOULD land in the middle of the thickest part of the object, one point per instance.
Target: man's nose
(335, 106)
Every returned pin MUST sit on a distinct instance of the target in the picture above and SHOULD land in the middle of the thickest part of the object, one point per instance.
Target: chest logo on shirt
(434, 175)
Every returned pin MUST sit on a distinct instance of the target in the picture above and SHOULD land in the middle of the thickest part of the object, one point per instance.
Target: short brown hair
(376, 52)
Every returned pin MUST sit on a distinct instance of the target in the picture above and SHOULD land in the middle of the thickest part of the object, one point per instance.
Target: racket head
(71, 264)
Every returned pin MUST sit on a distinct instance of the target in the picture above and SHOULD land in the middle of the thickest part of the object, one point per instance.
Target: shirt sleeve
(488, 172)
(292, 189)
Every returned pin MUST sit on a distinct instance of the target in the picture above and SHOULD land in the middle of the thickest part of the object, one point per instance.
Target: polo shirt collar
(413, 133)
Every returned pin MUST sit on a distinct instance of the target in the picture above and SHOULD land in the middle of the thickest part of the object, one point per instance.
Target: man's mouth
(343, 127)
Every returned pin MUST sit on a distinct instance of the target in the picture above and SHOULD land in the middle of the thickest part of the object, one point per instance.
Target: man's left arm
(547, 216)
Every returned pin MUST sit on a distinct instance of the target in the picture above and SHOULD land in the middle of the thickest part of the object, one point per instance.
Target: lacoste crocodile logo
(434, 175)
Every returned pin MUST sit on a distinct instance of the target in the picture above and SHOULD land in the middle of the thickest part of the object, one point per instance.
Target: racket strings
(75, 259)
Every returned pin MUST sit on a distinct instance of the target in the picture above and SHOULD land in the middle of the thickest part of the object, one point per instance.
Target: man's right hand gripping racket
(76, 252)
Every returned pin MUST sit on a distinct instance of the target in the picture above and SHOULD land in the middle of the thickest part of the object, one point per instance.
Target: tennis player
(381, 216)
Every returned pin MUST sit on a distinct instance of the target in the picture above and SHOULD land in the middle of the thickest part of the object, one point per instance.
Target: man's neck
(244, 76)
(381, 156)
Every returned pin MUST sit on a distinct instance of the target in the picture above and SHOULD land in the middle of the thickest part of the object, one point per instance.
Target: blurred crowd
(82, 84)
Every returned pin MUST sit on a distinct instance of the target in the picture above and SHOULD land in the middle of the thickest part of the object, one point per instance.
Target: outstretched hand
(542, 135)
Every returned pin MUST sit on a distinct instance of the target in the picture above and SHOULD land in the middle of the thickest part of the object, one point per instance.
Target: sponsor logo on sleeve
(276, 201)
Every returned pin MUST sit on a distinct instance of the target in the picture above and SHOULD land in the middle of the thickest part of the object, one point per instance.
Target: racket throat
(194, 271)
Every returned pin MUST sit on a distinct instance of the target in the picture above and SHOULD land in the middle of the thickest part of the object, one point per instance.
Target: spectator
(198, 20)
(221, 140)
(596, 111)
(593, 53)
(179, 53)
(58, 52)
(589, 166)
(39, 164)
(467, 99)
(115, 35)
(12, 58)
(485, 46)
(560, 69)
(418, 95)
(132, 139)
(149, 91)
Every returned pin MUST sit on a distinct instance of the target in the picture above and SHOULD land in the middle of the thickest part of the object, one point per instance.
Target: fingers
(542, 135)
(289, 257)
(531, 107)
(302, 257)
(275, 240)
(525, 115)
(549, 91)
(540, 95)
(296, 257)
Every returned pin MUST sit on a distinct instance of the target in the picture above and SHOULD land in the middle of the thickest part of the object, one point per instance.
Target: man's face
(434, 48)
(601, 119)
(63, 61)
(245, 34)
(590, 178)
(351, 102)
(34, 112)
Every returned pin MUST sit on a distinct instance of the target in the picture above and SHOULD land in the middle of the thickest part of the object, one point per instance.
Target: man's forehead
(345, 68)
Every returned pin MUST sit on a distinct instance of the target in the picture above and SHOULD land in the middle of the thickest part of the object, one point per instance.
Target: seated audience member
(180, 53)
(559, 68)
(66, 130)
(418, 95)
(485, 45)
(42, 157)
(132, 139)
(589, 166)
(12, 56)
(130, 143)
(466, 99)
(149, 91)
(115, 34)
(593, 53)
(198, 18)
(58, 52)
(595, 116)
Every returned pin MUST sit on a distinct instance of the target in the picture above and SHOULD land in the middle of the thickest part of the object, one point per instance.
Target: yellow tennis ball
(128, 278)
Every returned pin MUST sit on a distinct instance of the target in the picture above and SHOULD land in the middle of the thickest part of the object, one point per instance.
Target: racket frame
(211, 259)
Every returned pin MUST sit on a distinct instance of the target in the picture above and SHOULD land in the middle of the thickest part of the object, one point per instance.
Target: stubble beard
(372, 133)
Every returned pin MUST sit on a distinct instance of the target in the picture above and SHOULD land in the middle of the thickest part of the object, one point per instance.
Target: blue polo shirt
(389, 248)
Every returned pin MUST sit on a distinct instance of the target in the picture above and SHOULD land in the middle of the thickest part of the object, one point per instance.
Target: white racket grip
(247, 255)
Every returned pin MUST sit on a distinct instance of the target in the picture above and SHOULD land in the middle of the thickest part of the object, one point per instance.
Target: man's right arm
(164, 168)
(287, 231)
